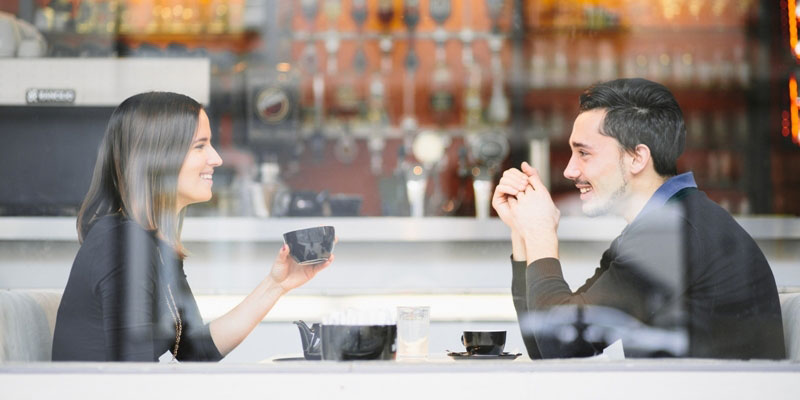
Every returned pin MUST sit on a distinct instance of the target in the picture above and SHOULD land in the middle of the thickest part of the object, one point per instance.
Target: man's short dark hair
(639, 111)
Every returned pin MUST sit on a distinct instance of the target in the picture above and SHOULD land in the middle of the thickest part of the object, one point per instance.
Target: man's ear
(640, 157)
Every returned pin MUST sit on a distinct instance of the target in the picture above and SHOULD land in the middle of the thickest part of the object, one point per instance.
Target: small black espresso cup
(484, 342)
(311, 245)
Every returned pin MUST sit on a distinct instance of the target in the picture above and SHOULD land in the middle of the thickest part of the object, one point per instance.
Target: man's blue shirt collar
(668, 189)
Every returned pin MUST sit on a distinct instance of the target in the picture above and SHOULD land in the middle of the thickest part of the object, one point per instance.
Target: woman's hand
(288, 274)
(230, 329)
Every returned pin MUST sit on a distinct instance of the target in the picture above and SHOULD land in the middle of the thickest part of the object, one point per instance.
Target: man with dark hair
(681, 263)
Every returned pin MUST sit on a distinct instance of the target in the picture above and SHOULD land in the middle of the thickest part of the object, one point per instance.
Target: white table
(438, 377)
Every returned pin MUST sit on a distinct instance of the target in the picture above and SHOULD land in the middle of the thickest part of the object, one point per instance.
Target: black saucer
(289, 359)
(467, 356)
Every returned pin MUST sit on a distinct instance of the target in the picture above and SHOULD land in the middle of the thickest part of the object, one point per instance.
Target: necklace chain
(176, 316)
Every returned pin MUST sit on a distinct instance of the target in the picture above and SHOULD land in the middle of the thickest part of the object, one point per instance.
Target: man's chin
(592, 209)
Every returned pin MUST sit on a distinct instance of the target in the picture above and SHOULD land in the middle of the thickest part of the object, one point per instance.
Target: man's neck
(641, 190)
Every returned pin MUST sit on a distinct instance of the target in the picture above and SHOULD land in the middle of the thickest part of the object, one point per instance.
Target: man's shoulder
(700, 210)
(687, 213)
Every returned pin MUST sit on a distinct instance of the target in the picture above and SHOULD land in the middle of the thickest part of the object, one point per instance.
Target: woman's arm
(230, 329)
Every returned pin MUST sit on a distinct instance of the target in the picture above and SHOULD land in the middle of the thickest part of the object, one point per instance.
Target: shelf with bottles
(665, 14)
(348, 58)
(101, 27)
(708, 64)
(240, 42)
(213, 17)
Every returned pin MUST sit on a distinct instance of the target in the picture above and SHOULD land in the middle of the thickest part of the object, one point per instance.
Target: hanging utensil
(358, 11)
(472, 86)
(441, 94)
(411, 63)
(346, 148)
(498, 103)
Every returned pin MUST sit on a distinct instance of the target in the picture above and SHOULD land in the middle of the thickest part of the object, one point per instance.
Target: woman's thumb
(283, 253)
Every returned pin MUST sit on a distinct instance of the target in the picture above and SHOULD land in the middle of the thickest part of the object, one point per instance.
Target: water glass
(413, 326)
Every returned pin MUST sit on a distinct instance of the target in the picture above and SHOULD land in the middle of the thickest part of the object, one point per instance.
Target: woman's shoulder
(111, 225)
(112, 233)
(114, 241)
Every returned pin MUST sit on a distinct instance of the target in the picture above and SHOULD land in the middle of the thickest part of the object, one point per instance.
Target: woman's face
(195, 177)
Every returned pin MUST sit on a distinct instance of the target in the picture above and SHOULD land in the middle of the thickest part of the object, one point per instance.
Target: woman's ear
(640, 158)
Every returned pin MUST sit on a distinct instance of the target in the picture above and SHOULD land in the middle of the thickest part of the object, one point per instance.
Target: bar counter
(438, 377)
(378, 229)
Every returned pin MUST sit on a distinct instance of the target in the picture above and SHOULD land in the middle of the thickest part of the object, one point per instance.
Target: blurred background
(396, 108)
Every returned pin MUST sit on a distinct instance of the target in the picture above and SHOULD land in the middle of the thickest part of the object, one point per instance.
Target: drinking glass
(413, 325)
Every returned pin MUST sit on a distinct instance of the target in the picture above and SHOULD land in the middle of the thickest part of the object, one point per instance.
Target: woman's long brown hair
(136, 173)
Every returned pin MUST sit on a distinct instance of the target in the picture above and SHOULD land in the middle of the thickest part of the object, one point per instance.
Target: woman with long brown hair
(127, 297)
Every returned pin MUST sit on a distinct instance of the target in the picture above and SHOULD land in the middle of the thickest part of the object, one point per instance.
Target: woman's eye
(199, 146)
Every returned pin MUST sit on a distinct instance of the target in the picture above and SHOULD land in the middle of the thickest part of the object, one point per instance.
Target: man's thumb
(527, 169)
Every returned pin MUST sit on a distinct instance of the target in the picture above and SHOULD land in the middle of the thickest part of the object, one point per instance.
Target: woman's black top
(116, 305)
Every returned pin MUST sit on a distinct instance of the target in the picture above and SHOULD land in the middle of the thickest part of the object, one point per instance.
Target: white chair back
(27, 321)
(790, 310)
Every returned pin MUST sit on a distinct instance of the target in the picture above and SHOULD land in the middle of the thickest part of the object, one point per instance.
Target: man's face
(596, 165)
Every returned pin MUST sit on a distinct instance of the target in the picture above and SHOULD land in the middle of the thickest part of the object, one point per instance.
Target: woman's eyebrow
(202, 139)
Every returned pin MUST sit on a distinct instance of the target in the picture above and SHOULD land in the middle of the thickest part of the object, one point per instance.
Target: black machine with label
(47, 157)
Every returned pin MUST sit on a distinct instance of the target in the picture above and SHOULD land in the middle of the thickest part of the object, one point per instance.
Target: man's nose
(571, 172)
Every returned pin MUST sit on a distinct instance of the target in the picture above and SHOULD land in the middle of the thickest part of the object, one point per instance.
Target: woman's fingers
(323, 265)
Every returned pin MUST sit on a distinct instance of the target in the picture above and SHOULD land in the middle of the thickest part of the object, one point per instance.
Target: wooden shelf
(237, 42)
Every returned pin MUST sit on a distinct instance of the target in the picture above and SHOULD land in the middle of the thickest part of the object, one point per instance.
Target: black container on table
(359, 342)
(484, 342)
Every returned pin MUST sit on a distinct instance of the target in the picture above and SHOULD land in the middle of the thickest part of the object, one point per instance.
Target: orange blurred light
(793, 27)
(793, 106)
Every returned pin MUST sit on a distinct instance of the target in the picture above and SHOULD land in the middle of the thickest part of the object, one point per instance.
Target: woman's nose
(215, 160)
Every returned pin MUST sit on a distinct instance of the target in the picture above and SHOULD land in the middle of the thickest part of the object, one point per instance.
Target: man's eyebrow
(580, 145)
